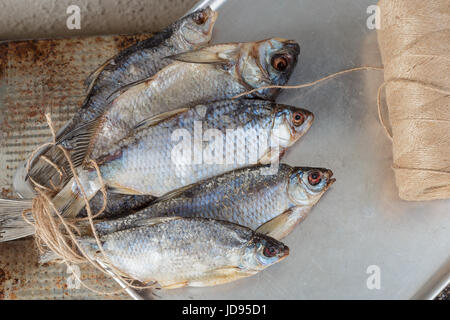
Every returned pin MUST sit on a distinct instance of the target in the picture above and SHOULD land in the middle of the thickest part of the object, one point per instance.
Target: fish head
(196, 28)
(269, 62)
(264, 251)
(290, 124)
(307, 185)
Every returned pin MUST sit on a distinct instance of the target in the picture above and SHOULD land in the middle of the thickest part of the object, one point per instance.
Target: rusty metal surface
(22, 277)
(37, 77)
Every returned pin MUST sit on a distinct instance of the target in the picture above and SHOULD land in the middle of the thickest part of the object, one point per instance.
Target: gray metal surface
(361, 221)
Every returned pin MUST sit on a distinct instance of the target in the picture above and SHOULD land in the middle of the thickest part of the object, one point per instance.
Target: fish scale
(135, 63)
(271, 203)
(179, 252)
(185, 84)
(146, 164)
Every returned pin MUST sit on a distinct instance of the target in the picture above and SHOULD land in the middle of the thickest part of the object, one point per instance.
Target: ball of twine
(414, 41)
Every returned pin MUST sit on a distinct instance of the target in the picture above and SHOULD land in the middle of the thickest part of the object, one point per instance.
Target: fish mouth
(330, 180)
(213, 16)
(285, 253)
(292, 47)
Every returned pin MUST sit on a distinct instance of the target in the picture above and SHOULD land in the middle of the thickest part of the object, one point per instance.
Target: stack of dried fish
(195, 193)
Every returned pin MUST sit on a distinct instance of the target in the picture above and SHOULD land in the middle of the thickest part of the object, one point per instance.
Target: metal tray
(361, 221)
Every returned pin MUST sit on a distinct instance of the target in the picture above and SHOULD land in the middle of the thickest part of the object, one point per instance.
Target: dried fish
(273, 203)
(178, 252)
(135, 63)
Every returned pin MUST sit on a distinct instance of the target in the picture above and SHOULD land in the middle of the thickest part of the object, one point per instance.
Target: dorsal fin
(175, 193)
(154, 120)
(153, 221)
(89, 82)
(123, 89)
(215, 54)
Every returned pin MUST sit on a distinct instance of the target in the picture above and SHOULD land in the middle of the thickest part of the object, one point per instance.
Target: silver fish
(273, 203)
(178, 252)
(135, 63)
(212, 73)
(152, 161)
(178, 148)
(117, 205)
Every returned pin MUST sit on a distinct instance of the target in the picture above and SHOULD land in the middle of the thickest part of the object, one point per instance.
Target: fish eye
(298, 118)
(269, 252)
(280, 62)
(201, 18)
(314, 178)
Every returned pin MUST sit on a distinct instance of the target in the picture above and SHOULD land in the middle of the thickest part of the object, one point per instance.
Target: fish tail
(57, 169)
(12, 224)
(88, 244)
(43, 172)
(70, 201)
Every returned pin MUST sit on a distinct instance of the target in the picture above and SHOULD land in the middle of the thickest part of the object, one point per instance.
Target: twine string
(57, 234)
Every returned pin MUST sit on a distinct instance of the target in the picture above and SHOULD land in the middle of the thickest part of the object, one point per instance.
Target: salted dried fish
(212, 73)
(178, 252)
(178, 148)
(135, 63)
(272, 203)
(117, 205)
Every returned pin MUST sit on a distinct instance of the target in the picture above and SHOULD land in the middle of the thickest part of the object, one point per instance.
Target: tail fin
(89, 244)
(44, 173)
(12, 224)
(69, 201)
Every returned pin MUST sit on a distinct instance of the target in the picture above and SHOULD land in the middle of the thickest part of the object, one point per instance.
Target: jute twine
(415, 46)
(59, 234)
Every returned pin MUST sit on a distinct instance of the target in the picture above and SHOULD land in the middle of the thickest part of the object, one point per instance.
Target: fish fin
(283, 224)
(89, 82)
(89, 244)
(222, 275)
(21, 184)
(206, 55)
(118, 189)
(154, 120)
(69, 201)
(80, 141)
(275, 223)
(271, 156)
(152, 221)
(12, 224)
(110, 226)
(43, 172)
(173, 194)
(175, 285)
(133, 85)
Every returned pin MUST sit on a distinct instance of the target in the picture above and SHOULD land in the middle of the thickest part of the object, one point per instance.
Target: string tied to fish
(421, 171)
(59, 234)
(47, 220)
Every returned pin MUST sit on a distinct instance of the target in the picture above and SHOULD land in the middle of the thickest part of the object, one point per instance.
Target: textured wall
(32, 19)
